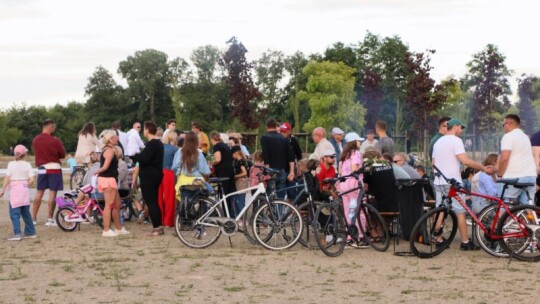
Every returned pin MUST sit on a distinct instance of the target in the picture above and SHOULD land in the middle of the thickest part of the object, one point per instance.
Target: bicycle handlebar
(451, 181)
(355, 174)
(266, 170)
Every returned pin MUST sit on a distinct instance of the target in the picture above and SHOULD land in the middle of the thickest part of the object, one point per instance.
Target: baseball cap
(455, 122)
(337, 130)
(353, 136)
(285, 127)
(328, 152)
(20, 150)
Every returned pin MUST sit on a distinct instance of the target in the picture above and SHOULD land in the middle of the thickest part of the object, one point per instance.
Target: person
(137, 200)
(233, 141)
(123, 174)
(241, 174)
(222, 164)
(122, 136)
(338, 142)
(93, 166)
(369, 142)
(189, 160)
(277, 154)
(535, 144)
(399, 173)
(286, 130)
(170, 127)
(19, 177)
(400, 160)
(326, 168)
(87, 142)
(385, 144)
(167, 193)
(443, 128)
(107, 183)
(48, 151)
(466, 176)
(486, 184)
(448, 154)
(244, 148)
(151, 175)
(71, 162)
(351, 161)
(254, 171)
(428, 189)
(204, 142)
(135, 143)
(516, 159)
(319, 138)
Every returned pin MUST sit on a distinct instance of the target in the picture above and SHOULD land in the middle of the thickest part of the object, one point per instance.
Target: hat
(352, 136)
(337, 130)
(328, 152)
(455, 122)
(20, 150)
(235, 149)
(285, 127)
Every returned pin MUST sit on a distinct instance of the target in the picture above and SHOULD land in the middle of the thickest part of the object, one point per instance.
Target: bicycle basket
(65, 202)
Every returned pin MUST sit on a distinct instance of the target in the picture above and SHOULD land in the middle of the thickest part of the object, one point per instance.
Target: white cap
(337, 130)
(352, 136)
(328, 152)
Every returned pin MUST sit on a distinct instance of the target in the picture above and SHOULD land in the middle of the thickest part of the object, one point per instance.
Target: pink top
(346, 166)
(254, 179)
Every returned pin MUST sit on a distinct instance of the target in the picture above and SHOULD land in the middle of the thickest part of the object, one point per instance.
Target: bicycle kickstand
(230, 241)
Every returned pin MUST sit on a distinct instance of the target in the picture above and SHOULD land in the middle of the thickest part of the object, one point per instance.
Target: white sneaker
(469, 222)
(50, 223)
(330, 238)
(109, 233)
(33, 236)
(34, 222)
(122, 231)
(16, 237)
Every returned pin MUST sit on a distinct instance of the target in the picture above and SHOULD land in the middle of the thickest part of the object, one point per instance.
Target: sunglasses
(331, 156)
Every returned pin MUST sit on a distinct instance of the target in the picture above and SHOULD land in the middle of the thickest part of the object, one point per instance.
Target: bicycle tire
(374, 224)
(77, 176)
(522, 247)
(332, 235)
(488, 244)
(247, 219)
(127, 211)
(277, 225)
(198, 235)
(98, 217)
(307, 211)
(62, 224)
(424, 229)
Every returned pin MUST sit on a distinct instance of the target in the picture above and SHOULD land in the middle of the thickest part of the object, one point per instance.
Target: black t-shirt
(535, 139)
(382, 184)
(225, 166)
(151, 161)
(238, 164)
(277, 152)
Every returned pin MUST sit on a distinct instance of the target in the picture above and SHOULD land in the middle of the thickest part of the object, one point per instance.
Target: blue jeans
(520, 194)
(239, 204)
(15, 214)
(280, 184)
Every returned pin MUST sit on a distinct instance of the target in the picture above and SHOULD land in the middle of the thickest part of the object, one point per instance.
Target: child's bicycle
(69, 215)
(516, 229)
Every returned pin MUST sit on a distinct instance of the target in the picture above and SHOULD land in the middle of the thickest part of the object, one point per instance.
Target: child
(240, 167)
(143, 212)
(19, 177)
(71, 161)
(253, 171)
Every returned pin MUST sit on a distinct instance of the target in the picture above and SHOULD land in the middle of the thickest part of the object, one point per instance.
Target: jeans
(15, 214)
(239, 204)
(520, 194)
(280, 184)
(292, 192)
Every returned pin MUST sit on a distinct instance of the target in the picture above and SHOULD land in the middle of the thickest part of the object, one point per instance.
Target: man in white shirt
(135, 143)
(370, 142)
(319, 137)
(448, 155)
(516, 159)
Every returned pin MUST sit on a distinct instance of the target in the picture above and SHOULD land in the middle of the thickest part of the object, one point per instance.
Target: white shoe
(469, 222)
(122, 231)
(34, 222)
(109, 233)
(33, 236)
(16, 237)
(50, 223)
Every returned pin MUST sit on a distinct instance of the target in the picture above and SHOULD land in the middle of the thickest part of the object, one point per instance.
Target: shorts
(441, 190)
(50, 179)
(520, 194)
(106, 182)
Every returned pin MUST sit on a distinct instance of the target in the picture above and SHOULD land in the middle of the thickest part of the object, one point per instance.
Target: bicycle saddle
(514, 182)
(218, 179)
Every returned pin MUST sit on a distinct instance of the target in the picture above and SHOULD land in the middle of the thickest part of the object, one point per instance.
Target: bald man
(319, 137)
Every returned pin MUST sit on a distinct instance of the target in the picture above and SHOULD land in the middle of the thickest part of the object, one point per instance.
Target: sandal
(156, 232)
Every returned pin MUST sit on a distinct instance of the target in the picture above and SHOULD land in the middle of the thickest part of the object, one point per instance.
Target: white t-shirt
(445, 153)
(18, 170)
(366, 144)
(521, 161)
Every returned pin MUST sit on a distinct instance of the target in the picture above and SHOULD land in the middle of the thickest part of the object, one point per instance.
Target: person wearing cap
(516, 159)
(319, 137)
(443, 128)
(337, 142)
(286, 130)
(448, 154)
(369, 142)
(19, 177)
(326, 167)
(48, 151)
(385, 144)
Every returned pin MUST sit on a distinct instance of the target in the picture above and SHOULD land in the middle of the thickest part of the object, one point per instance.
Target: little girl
(19, 177)
(253, 171)
(240, 167)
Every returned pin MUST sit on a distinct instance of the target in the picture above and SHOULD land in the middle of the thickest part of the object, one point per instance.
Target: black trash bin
(411, 204)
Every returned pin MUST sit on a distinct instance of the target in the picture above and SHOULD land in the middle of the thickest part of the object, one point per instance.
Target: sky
(49, 48)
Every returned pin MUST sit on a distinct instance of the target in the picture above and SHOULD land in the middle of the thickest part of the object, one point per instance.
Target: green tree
(179, 74)
(525, 105)
(69, 121)
(9, 136)
(270, 70)
(294, 65)
(330, 95)
(206, 61)
(28, 120)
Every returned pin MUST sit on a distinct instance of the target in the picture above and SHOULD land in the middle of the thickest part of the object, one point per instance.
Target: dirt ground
(83, 267)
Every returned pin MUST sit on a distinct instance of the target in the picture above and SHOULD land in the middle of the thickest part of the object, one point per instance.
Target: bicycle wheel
(426, 232)
(60, 219)
(307, 211)
(247, 219)
(98, 217)
(332, 232)
(277, 225)
(522, 246)
(127, 211)
(484, 239)
(374, 230)
(76, 178)
(198, 235)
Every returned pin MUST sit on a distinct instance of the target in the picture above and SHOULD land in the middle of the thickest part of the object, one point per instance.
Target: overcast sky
(49, 48)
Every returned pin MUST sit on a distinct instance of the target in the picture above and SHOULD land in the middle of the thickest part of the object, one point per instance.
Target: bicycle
(69, 215)
(517, 229)
(77, 176)
(333, 231)
(200, 221)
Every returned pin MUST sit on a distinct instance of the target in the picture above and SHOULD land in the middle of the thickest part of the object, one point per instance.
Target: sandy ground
(83, 267)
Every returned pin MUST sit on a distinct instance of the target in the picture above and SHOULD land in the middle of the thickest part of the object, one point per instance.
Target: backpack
(189, 207)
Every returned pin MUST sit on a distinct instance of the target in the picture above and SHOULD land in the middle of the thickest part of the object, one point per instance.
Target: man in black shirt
(277, 154)
(286, 130)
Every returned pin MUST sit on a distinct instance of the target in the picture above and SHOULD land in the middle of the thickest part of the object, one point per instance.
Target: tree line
(348, 85)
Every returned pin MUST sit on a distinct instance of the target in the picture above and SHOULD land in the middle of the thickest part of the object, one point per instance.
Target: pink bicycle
(69, 215)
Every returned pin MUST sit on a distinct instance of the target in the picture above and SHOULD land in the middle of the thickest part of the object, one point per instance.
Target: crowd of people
(170, 158)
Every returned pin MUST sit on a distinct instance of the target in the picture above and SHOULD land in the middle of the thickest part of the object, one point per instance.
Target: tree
(242, 92)
(9, 136)
(487, 77)
(338, 52)
(179, 74)
(372, 96)
(331, 98)
(206, 61)
(270, 70)
(146, 73)
(28, 120)
(526, 97)
(294, 65)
